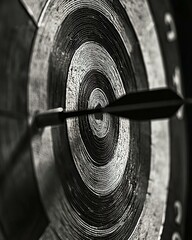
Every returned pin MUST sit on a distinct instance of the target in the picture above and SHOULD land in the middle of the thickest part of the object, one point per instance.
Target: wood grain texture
(124, 44)
(53, 52)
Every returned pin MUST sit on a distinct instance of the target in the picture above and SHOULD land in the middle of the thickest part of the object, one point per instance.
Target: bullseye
(96, 153)
(99, 123)
(68, 172)
(102, 163)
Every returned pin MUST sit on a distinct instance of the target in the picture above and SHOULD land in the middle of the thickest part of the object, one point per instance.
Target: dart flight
(140, 106)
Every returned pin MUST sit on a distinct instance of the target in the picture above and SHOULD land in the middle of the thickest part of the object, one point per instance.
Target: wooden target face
(100, 176)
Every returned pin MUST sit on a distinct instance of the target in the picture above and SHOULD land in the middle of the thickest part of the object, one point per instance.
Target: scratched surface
(96, 177)
(78, 38)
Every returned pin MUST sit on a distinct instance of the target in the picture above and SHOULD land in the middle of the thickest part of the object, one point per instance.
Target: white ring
(104, 179)
(100, 127)
(155, 204)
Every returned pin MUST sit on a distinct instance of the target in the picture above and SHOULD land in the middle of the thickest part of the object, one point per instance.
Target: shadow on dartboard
(96, 176)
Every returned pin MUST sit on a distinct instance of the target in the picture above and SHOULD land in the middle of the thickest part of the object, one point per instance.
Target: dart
(139, 106)
(95, 131)
(143, 105)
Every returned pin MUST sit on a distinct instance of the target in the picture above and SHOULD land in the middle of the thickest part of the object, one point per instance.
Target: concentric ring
(95, 185)
(105, 179)
(99, 123)
(100, 192)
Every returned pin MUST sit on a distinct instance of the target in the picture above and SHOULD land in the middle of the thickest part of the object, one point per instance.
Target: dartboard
(97, 176)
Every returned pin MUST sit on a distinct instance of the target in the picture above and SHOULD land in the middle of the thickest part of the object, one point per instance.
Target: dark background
(183, 15)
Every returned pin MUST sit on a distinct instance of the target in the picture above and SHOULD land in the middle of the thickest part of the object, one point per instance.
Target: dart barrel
(96, 176)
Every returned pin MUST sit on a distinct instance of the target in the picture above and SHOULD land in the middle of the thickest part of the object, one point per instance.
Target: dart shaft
(57, 116)
(144, 105)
